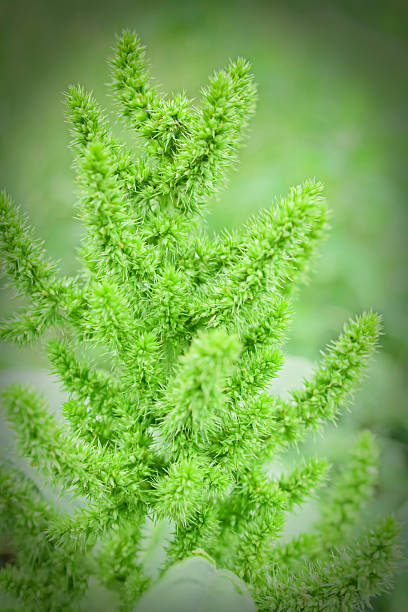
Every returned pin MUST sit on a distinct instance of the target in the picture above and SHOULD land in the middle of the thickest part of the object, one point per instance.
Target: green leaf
(196, 585)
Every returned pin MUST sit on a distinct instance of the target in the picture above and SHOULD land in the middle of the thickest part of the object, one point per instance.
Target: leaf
(196, 584)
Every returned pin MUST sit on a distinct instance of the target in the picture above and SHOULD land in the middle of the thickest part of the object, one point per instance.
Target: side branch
(95, 474)
(353, 576)
(276, 247)
(217, 130)
(23, 260)
(161, 122)
(338, 374)
(340, 510)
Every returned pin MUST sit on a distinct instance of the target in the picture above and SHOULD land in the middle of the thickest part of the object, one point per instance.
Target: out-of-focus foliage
(332, 88)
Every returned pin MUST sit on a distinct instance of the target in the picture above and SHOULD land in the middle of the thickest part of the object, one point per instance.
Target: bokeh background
(333, 85)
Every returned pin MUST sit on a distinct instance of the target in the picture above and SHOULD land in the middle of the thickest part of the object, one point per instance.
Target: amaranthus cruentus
(175, 420)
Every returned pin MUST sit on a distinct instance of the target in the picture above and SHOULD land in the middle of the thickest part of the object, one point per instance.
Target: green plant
(173, 419)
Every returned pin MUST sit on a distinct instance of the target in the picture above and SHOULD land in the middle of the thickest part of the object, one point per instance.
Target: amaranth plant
(173, 420)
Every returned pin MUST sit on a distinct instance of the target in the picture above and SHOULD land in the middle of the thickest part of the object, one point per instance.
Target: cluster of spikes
(166, 343)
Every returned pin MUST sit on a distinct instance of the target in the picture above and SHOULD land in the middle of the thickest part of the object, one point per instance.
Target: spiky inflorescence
(181, 424)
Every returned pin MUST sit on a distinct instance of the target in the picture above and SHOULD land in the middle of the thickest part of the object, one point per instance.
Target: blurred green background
(333, 87)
